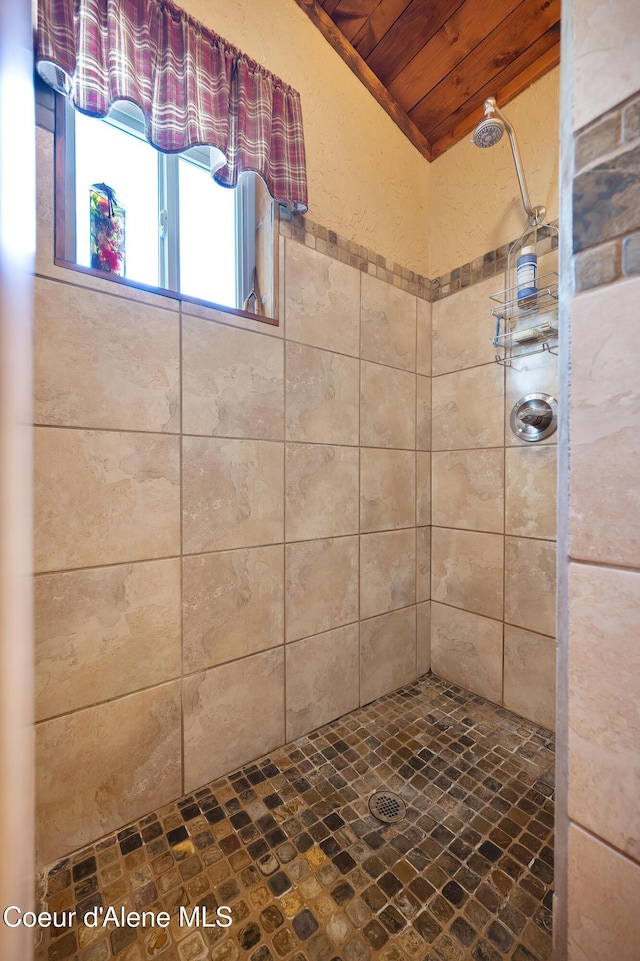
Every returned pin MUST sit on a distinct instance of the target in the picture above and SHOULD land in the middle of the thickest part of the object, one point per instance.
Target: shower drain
(387, 806)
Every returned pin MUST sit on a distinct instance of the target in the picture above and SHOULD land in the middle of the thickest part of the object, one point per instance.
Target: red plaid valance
(193, 87)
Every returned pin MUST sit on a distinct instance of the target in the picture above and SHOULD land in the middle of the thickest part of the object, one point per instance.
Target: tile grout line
(182, 665)
(415, 490)
(227, 550)
(360, 491)
(220, 438)
(285, 605)
(504, 518)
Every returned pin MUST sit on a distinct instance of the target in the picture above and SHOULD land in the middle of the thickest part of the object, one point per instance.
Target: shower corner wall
(598, 831)
(319, 429)
(325, 575)
(493, 505)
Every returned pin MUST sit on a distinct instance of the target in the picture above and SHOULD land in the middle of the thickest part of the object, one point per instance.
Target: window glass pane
(107, 154)
(207, 236)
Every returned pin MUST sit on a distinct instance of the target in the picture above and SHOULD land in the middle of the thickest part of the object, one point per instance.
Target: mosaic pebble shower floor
(309, 874)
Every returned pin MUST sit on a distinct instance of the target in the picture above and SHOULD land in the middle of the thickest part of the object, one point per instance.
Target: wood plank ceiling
(432, 63)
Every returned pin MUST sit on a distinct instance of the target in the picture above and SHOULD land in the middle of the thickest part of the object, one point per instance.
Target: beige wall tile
(321, 491)
(232, 493)
(99, 768)
(530, 584)
(281, 277)
(468, 409)
(102, 497)
(232, 714)
(387, 653)
(463, 328)
(322, 301)
(467, 650)
(101, 361)
(604, 921)
(530, 675)
(423, 355)
(423, 563)
(604, 721)
(387, 571)
(282, 300)
(387, 489)
(45, 202)
(105, 632)
(387, 407)
(467, 570)
(535, 373)
(530, 491)
(423, 488)
(218, 316)
(606, 68)
(322, 679)
(322, 585)
(233, 605)
(322, 396)
(232, 381)
(605, 449)
(468, 489)
(423, 414)
(388, 324)
(423, 640)
(548, 263)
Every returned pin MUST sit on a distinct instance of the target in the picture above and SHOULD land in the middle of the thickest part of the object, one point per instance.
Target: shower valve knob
(534, 417)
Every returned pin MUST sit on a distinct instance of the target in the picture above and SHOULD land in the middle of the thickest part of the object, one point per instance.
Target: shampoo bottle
(526, 277)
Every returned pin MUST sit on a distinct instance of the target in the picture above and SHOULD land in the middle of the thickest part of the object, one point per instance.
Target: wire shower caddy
(527, 327)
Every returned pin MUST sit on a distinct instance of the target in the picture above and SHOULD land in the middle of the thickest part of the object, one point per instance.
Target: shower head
(490, 129)
(488, 132)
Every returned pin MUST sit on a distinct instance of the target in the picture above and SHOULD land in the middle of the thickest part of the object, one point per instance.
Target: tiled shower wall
(232, 525)
(599, 615)
(233, 538)
(493, 511)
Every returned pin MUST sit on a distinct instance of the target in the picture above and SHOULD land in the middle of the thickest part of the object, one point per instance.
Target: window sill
(126, 282)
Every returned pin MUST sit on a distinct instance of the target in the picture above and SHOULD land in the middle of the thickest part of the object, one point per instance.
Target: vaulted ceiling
(432, 63)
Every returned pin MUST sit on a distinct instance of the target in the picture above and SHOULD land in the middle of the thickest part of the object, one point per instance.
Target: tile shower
(493, 511)
(287, 843)
(235, 475)
(291, 468)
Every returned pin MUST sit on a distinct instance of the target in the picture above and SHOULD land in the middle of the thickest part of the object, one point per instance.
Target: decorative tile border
(606, 198)
(488, 265)
(305, 231)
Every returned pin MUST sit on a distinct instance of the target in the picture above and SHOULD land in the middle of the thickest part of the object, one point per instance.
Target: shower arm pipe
(536, 214)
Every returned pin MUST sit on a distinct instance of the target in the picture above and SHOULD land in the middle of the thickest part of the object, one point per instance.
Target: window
(183, 232)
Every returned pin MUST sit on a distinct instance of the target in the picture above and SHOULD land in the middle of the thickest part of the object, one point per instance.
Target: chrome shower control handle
(534, 417)
(539, 417)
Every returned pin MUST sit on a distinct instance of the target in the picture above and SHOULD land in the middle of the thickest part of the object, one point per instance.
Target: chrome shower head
(488, 132)
(490, 129)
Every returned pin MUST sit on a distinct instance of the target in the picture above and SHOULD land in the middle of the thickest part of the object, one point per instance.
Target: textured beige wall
(475, 202)
(366, 181)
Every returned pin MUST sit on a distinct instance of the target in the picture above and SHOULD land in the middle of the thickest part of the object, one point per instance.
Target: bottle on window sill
(107, 230)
